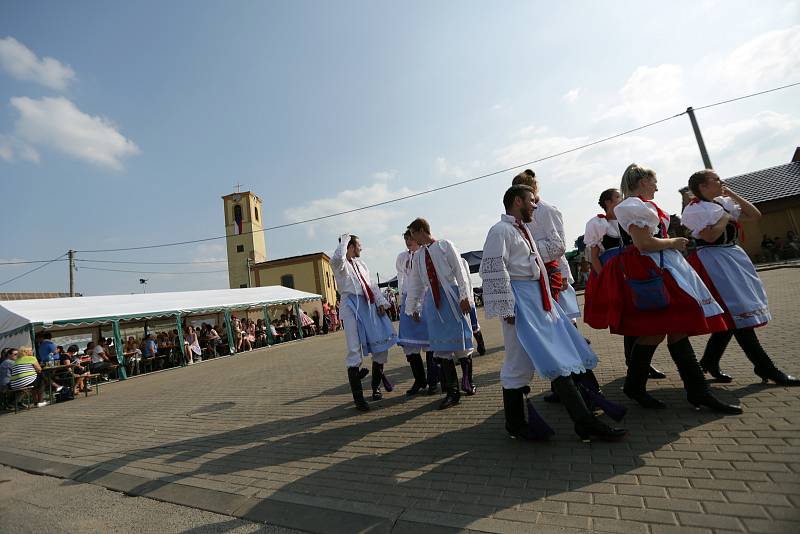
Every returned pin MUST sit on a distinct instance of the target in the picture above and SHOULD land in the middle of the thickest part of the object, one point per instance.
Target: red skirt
(610, 302)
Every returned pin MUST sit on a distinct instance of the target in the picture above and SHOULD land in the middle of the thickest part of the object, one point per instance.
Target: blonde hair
(527, 177)
(631, 178)
(25, 351)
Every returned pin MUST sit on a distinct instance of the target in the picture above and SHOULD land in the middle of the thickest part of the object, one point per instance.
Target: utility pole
(71, 273)
(697, 135)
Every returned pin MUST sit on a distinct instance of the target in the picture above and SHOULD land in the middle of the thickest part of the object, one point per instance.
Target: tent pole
(32, 331)
(229, 329)
(180, 339)
(297, 317)
(121, 372)
(267, 322)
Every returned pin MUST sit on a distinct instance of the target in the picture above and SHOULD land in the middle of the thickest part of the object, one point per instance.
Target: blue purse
(649, 294)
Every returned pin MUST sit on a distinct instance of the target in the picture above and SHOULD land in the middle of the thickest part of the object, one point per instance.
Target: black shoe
(377, 395)
(354, 376)
(418, 370)
(552, 398)
(777, 376)
(449, 401)
(715, 371)
(656, 374)
(599, 430)
(709, 401)
(644, 399)
(481, 345)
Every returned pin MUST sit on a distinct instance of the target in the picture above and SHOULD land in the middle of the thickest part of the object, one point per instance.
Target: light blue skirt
(413, 334)
(688, 280)
(446, 331)
(552, 343)
(737, 283)
(374, 332)
(568, 301)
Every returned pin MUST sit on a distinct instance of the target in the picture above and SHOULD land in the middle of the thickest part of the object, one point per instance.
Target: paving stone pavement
(271, 436)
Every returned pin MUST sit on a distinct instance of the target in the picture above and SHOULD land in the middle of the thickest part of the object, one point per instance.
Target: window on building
(237, 213)
(256, 210)
(242, 285)
(328, 279)
(239, 248)
(287, 280)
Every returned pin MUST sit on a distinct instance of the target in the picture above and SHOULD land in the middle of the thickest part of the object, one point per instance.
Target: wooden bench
(87, 382)
(16, 395)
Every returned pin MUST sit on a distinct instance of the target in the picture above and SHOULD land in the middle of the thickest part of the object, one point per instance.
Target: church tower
(244, 236)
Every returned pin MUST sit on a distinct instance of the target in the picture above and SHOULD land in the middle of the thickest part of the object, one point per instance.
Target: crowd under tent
(22, 320)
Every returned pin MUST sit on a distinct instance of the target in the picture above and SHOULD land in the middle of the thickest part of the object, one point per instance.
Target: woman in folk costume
(538, 335)
(713, 217)
(653, 293)
(438, 291)
(413, 335)
(367, 329)
(602, 241)
(547, 228)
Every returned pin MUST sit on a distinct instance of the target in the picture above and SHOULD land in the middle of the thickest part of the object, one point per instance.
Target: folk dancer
(439, 292)
(714, 218)
(467, 383)
(602, 241)
(367, 329)
(652, 293)
(413, 335)
(537, 333)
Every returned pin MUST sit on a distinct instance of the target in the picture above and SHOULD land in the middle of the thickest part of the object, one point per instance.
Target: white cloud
(12, 149)
(572, 95)
(650, 93)
(58, 124)
(21, 63)
(771, 57)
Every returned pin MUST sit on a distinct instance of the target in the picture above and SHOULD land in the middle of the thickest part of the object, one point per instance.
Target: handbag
(649, 294)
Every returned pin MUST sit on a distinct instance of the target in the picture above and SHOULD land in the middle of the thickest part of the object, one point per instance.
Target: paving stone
(620, 526)
(675, 505)
(709, 520)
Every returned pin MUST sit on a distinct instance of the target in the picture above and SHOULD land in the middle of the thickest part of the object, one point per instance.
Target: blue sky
(146, 113)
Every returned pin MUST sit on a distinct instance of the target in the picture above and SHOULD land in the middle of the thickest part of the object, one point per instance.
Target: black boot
(716, 345)
(433, 372)
(479, 340)
(697, 391)
(764, 367)
(353, 376)
(586, 424)
(629, 342)
(636, 380)
(466, 376)
(377, 371)
(449, 384)
(516, 425)
(418, 370)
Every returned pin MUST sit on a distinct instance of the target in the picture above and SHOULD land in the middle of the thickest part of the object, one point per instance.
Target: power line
(448, 186)
(32, 270)
(149, 272)
(22, 262)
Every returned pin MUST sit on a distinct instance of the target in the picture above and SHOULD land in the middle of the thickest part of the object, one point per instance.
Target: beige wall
(254, 243)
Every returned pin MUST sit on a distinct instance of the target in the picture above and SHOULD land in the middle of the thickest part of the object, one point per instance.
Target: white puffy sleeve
(547, 229)
(337, 258)
(470, 293)
(498, 299)
(416, 284)
(595, 231)
(454, 259)
(634, 212)
(400, 265)
(697, 217)
(730, 206)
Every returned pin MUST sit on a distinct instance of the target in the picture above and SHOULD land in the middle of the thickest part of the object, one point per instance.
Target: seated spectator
(7, 359)
(306, 324)
(768, 248)
(276, 337)
(261, 333)
(78, 370)
(101, 363)
(192, 343)
(214, 340)
(26, 372)
(46, 349)
(133, 356)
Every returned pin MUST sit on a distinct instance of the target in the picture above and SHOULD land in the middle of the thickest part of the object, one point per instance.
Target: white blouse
(547, 228)
(347, 273)
(447, 263)
(700, 215)
(597, 228)
(634, 212)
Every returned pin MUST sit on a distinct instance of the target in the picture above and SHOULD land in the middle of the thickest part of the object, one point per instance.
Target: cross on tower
(237, 186)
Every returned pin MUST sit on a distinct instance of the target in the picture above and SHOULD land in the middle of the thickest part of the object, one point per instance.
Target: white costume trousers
(354, 357)
(517, 370)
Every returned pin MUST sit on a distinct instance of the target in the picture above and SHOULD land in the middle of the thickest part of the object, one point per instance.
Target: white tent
(19, 319)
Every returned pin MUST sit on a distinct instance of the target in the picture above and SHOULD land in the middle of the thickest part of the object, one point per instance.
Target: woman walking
(714, 218)
(653, 293)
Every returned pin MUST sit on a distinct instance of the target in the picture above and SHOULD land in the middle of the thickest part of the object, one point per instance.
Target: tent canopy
(18, 316)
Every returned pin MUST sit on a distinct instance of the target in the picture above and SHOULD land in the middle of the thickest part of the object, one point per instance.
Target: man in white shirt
(367, 329)
(438, 294)
(538, 335)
